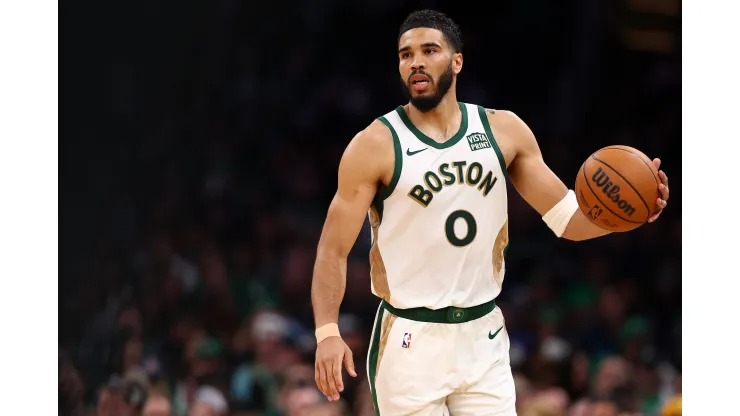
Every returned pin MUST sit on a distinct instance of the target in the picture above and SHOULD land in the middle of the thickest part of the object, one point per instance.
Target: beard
(426, 103)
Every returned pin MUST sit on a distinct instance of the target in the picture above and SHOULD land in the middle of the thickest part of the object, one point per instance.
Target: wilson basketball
(617, 188)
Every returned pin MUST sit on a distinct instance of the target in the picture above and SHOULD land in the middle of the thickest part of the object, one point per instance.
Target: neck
(444, 117)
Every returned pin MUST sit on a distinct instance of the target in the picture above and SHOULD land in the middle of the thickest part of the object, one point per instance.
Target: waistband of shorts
(448, 315)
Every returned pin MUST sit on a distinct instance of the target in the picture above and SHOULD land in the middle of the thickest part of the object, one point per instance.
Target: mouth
(419, 82)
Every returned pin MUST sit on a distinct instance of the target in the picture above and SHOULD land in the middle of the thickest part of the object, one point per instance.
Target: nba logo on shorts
(406, 340)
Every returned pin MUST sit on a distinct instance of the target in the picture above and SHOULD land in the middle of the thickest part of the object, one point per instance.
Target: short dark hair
(433, 19)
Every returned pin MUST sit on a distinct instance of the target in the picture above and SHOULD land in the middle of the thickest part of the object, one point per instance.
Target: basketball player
(432, 175)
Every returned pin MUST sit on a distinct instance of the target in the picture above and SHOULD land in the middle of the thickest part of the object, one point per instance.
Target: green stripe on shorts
(373, 358)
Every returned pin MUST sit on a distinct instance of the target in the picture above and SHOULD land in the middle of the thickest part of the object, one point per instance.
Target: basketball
(617, 188)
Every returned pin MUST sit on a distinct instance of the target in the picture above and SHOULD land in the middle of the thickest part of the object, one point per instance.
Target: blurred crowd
(191, 292)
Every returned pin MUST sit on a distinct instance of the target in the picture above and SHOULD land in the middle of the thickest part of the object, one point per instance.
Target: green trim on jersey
(499, 154)
(385, 191)
(398, 164)
(373, 358)
(487, 127)
(426, 139)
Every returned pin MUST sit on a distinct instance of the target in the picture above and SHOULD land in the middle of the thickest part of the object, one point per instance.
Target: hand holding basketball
(663, 187)
(619, 188)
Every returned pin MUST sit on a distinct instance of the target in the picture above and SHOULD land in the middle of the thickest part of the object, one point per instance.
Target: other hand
(331, 353)
(664, 191)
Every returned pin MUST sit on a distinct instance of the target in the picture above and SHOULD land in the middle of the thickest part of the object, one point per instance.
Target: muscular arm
(534, 180)
(360, 170)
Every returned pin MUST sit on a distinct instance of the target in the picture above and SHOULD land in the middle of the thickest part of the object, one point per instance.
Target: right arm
(362, 167)
(357, 182)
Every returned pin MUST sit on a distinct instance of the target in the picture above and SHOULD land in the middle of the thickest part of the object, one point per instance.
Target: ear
(457, 63)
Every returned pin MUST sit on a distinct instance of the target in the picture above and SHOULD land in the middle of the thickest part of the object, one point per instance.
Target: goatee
(426, 103)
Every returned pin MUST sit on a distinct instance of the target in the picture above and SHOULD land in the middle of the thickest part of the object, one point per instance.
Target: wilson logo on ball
(602, 180)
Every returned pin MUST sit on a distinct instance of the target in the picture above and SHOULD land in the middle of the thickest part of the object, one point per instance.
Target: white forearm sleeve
(558, 217)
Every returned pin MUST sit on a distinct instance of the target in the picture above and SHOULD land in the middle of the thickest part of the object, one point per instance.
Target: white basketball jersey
(440, 228)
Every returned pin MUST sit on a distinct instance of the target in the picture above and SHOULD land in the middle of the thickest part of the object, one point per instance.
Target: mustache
(420, 72)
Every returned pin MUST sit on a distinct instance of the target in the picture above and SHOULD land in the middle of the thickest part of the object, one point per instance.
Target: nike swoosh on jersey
(410, 153)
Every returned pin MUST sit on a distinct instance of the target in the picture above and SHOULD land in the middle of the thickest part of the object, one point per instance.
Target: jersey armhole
(385, 191)
(489, 133)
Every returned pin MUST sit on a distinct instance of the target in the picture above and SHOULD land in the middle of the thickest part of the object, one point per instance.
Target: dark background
(200, 144)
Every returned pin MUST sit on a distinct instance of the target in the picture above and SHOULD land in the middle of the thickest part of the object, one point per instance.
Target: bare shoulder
(371, 144)
(370, 153)
(376, 136)
(507, 122)
(512, 134)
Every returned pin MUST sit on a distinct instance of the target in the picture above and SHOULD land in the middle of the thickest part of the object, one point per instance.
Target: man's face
(428, 67)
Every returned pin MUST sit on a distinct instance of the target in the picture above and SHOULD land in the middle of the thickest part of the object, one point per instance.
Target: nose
(417, 65)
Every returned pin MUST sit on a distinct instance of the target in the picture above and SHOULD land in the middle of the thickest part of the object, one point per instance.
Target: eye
(429, 51)
(405, 55)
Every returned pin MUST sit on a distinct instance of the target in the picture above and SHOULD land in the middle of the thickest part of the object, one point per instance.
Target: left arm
(534, 180)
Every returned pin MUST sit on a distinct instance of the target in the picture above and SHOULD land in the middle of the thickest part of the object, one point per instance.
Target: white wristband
(326, 331)
(558, 217)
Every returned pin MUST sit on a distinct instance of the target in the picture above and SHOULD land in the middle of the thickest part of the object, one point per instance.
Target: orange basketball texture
(617, 188)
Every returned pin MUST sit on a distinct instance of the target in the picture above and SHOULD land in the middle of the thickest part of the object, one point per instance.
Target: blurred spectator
(71, 387)
(613, 372)
(550, 402)
(327, 409)
(209, 401)
(157, 405)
